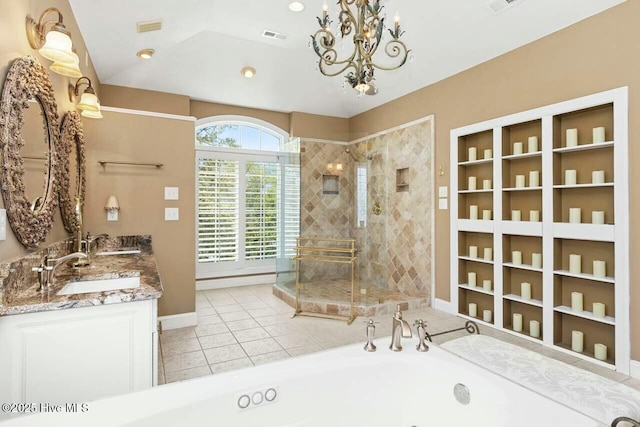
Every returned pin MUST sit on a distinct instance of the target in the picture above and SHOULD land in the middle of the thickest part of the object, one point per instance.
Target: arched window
(248, 195)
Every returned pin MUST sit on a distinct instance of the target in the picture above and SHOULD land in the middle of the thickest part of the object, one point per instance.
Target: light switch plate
(3, 224)
(171, 214)
(443, 205)
(442, 191)
(171, 193)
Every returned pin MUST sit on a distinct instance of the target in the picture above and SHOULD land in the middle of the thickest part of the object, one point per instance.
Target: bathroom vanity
(96, 339)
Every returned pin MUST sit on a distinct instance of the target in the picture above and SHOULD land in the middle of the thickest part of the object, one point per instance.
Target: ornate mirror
(27, 104)
(71, 169)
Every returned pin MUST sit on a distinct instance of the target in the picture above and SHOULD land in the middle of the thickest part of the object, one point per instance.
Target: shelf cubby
(480, 140)
(594, 332)
(483, 301)
(529, 312)
(584, 120)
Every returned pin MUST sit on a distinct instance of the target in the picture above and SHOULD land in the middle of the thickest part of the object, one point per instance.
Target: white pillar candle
(570, 177)
(516, 257)
(473, 212)
(576, 302)
(534, 216)
(534, 328)
(488, 254)
(471, 279)
(534, 178)
(486, 284)
(575, 264)
(473, 154)
(533, 144)
(473, 309)
(572, 137)
(517, 147)
(472, 183)
(486, 316)
(598, 310)
(597, 217)
(600, 351)
(575, 215)
(597, 177)
(599, 268)
(515, 215)
(520, 181)
(598, 135)
(517, 322)
(486, 184)
(525, 290)
(488, 153)
(473, 252)
(577, 341)
(486, 214)
(536, 260)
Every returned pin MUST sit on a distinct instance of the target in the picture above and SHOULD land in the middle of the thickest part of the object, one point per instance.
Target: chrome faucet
(400, 329)
(85, 247)
(51, 264)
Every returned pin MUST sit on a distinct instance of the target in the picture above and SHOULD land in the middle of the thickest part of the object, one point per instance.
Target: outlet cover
(112, 214)
(171, 214)
(171, 193)
(3, 224)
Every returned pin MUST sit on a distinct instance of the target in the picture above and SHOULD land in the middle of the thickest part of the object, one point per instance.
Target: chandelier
(367, 27)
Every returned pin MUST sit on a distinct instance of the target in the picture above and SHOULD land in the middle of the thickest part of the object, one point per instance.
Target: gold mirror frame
(27, 79)
(71, 138)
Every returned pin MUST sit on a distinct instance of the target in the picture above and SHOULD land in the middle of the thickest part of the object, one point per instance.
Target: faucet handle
(371, 330)
(421, 327)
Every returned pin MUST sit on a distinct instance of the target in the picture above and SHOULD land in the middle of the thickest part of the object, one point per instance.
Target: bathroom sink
(119, 251)
(89, 286)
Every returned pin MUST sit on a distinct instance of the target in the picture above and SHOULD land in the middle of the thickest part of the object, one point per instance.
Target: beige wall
(145, 100)
(597, 54)
(14, 44)
(140, 193)
(319, 127)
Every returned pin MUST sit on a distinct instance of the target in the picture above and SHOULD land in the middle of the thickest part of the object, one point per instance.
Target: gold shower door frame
(327, 250)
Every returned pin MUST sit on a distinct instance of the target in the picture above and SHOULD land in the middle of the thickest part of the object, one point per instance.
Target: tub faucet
(400, 329)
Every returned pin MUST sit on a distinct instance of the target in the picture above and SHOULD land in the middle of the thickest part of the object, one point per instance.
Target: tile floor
(247, 326)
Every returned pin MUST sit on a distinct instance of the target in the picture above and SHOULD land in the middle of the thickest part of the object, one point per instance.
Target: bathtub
(335, 388)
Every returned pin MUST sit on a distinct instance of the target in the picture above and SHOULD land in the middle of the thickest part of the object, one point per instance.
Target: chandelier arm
(395, 49)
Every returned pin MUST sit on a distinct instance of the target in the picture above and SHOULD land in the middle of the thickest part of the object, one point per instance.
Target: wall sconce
(89, 103)
(112, 208)
(53, 42)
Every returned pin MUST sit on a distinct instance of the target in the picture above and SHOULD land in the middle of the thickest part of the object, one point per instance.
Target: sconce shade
(92, 114)
(112, 203)
(339, 167)
(57, 46)
(89, 102)
(69, 69)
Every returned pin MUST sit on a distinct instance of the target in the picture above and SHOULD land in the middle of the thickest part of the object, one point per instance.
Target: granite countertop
(18, 284)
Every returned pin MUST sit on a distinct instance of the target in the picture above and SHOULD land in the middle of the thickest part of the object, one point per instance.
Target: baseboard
(176, 321)
(634, 369)
(229, 282)
(442, 305)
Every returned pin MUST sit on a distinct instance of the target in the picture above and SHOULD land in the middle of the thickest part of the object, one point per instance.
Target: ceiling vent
(145, 27)
(273, 35)
(498, 6)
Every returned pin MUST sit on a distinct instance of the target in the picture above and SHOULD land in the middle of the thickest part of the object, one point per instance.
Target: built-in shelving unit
(546, 190)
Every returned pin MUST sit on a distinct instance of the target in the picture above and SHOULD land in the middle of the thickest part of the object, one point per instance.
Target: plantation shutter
(218, 216)
(261, 210)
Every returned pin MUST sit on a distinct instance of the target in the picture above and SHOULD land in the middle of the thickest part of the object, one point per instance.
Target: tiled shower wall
(394, 249)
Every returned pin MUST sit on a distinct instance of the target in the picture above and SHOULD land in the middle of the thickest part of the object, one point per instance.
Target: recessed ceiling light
(248, 72)
(146, 53)
(296, 6)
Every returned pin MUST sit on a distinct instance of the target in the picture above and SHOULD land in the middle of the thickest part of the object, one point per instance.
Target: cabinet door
(77, 355)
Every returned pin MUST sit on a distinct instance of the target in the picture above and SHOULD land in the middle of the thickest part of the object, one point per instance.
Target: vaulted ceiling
(204, 44)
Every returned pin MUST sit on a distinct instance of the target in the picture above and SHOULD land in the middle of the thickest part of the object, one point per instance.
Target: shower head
(353, 156)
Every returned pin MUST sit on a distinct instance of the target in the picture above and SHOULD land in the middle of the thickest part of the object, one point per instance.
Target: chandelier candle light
(367, 27)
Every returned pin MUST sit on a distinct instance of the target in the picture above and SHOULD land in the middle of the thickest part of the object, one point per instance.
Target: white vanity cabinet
(78, 355)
